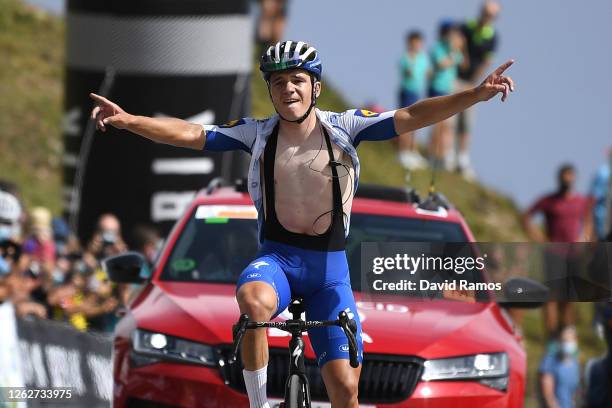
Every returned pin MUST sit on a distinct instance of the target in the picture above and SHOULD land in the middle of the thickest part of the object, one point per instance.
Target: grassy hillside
(32, 51)
(32, 55)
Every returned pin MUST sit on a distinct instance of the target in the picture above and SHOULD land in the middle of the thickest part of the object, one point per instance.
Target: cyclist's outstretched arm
(170, 131)
(433, 110)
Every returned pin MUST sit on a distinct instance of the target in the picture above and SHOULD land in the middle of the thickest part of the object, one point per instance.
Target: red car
(172, 346)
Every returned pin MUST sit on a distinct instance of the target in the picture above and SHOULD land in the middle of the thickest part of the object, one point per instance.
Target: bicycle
(297, 388)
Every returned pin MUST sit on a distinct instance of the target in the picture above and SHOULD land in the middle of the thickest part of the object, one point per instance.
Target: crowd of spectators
(45, 271)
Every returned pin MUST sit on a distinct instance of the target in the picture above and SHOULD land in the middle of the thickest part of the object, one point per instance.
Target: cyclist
(302, 177)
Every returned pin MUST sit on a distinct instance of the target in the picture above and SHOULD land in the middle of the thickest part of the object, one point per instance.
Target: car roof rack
(240, 185)
(388, 193)
(434, 201)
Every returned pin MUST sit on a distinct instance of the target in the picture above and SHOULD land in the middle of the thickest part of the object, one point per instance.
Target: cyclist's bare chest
(305, 167)
(303, 180)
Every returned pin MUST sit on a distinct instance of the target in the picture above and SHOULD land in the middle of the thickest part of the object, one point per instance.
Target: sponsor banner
(56, 357)
(505, 272)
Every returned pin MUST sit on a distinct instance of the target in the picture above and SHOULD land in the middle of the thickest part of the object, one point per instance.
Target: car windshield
(216, 249)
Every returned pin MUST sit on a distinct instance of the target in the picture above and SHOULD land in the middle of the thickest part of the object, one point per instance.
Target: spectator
(40, 246)
(414, 69)
(446, 56)
(566, 219)
(61, 235)
(106, 241)
(600, 189)
(10, 213)
(560, 371)
(272, 21)
(481, 43)
(598, 371)
(68, 299)
(148, 242)
(101, 303)
(20, 285)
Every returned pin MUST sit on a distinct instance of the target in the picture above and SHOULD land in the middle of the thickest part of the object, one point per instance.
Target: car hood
(391, 324)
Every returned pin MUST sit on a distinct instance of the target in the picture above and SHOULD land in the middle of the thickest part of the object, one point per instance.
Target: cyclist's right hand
(106, 112)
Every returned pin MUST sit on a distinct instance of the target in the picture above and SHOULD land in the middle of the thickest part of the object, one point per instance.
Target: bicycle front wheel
(295, 395)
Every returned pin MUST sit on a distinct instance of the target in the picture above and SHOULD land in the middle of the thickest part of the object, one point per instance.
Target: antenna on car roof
(434, 172)
(434, 199)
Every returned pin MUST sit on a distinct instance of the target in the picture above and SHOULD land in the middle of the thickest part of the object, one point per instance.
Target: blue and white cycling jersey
(346, 129)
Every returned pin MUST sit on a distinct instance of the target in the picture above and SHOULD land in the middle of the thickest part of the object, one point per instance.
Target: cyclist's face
(291, 92)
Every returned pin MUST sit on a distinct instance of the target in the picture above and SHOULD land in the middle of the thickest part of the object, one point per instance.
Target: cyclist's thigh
(330, 343)
(267, 269)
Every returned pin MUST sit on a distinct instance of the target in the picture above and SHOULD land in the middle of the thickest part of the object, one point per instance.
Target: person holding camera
(106, 241)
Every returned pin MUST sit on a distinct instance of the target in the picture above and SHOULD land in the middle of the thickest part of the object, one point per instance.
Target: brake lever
(349, 326)
(238, 331)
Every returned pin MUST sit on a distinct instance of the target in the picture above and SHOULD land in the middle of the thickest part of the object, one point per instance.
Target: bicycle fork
(298, 367)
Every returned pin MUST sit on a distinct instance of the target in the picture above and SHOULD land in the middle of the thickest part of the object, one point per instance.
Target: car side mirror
(524, 293)
(128, 267)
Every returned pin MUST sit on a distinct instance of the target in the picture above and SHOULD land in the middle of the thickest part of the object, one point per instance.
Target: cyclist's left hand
(496, 83)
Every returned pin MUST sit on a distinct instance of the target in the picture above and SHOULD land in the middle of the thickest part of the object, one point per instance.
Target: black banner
(56, 356)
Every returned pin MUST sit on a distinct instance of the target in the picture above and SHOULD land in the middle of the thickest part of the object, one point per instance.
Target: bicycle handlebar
(349, 326)
(238, 331)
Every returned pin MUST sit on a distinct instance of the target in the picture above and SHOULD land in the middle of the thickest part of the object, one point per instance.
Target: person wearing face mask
(10, 212)
(598, 371)
(106, 241)
(566, 220)
(560, 371)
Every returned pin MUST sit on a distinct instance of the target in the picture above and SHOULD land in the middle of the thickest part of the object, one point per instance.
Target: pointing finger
(500, 70)
(99, 98)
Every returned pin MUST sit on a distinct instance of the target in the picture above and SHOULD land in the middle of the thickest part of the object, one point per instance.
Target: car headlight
(167, 347)
(488, 369)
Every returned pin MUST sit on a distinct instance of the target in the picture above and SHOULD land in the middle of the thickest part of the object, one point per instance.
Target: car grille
(384, 378)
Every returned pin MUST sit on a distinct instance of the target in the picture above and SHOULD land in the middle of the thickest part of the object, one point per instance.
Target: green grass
(32, 55)
(32, 51)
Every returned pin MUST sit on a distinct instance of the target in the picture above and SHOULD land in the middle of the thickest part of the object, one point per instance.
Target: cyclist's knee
(341, 381)
(345, 391)
(257, 299)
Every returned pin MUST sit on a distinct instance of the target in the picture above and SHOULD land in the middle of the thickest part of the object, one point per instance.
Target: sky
(561, 110)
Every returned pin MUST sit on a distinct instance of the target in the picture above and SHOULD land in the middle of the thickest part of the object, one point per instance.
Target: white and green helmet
(286, 55)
